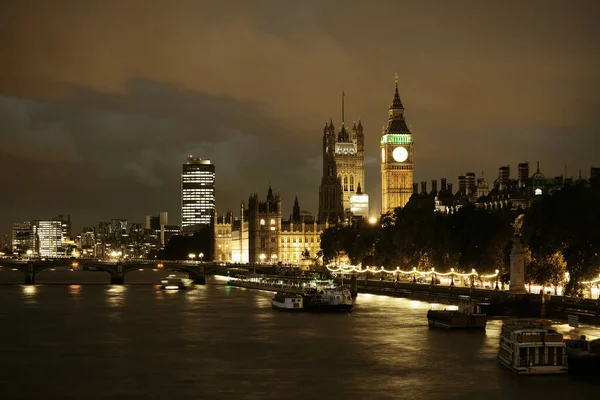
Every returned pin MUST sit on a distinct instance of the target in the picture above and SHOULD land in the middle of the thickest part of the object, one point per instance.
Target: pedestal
(517, 267)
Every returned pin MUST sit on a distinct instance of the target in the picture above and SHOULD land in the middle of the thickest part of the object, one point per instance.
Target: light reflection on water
(75, 290)
(116, 295)
(29, 292)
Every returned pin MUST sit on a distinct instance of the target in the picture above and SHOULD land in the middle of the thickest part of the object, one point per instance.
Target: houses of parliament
(261, 234)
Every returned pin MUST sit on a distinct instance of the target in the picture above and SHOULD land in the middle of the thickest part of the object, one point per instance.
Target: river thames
(134, 341)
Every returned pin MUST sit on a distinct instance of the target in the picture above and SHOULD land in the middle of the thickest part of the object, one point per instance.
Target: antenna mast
(343, 94)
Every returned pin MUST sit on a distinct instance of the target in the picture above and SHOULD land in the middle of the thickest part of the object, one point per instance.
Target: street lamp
(414, 274)
(262, 257)
(432, 275)
(201, 256)
(29, 253)
(451, 276)
(497, 288)
(473, 273)
(192, 256)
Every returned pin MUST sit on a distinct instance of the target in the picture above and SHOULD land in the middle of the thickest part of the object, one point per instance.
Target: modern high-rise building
(197, 193)
(40, 238)
(24, 237)
(50, 238)
(397, 162)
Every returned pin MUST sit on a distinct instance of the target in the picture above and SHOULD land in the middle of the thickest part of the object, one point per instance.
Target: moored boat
(172, 282)
(332, 299)
(467, 316)
(583, 356)
(287, 302)
(531, 348)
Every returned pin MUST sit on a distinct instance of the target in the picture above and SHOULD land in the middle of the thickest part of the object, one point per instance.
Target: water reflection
(75, 290)
(115, 295)
(195, 294)
(29, 292)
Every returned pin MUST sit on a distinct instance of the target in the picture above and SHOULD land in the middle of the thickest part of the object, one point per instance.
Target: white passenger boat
(287, 302)
(531, 348)
(328, 299)
(172, 282)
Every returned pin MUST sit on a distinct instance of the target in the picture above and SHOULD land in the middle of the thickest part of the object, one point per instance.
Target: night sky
(101, 101)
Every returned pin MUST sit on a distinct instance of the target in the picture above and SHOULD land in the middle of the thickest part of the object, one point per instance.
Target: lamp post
(192, 256)
(451, 276)
(201, 256)
(432, 275)
(29, 253)
(414, 274)
(497, 288)
(473, 273)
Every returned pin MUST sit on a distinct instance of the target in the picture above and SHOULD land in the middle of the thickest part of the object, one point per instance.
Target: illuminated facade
(260, 235)
(359, 204)
(299, 240)
(197, 192)
(346, 150)
(397, 162)
(223, 238)
(50, 238)
(24, 237)
(42, 238)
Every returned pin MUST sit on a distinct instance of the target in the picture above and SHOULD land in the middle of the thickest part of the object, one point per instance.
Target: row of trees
(561, 233)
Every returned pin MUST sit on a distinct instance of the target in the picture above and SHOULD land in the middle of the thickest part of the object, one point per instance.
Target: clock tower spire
(397, 163)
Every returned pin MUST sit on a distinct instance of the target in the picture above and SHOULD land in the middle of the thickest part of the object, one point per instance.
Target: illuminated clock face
(400, 154)
(383, 155)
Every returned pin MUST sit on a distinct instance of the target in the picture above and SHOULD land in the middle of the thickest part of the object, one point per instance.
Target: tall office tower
(50, 238)
(197, 193)
(350, 159)
(397, 162)
(24, 237)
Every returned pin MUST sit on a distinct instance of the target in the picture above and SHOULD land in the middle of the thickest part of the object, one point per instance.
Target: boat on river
(467, 316)
(172, 282)
(583, 356)
(531, 348)
(328, 299)
(287, 302)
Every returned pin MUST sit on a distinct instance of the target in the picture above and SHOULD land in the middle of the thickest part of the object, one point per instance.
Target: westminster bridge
(116, 268)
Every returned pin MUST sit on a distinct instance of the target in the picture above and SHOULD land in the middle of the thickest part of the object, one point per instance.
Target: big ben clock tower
(397, 163)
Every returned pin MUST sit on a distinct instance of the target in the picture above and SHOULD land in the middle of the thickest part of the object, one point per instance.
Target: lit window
(272, 222)
(262, 221)
(538, 192)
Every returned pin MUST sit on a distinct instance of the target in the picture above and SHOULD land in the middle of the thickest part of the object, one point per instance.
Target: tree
(179, 247)
(567, 221)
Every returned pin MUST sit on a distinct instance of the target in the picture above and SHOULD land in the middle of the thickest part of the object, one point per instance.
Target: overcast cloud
(101, 101)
